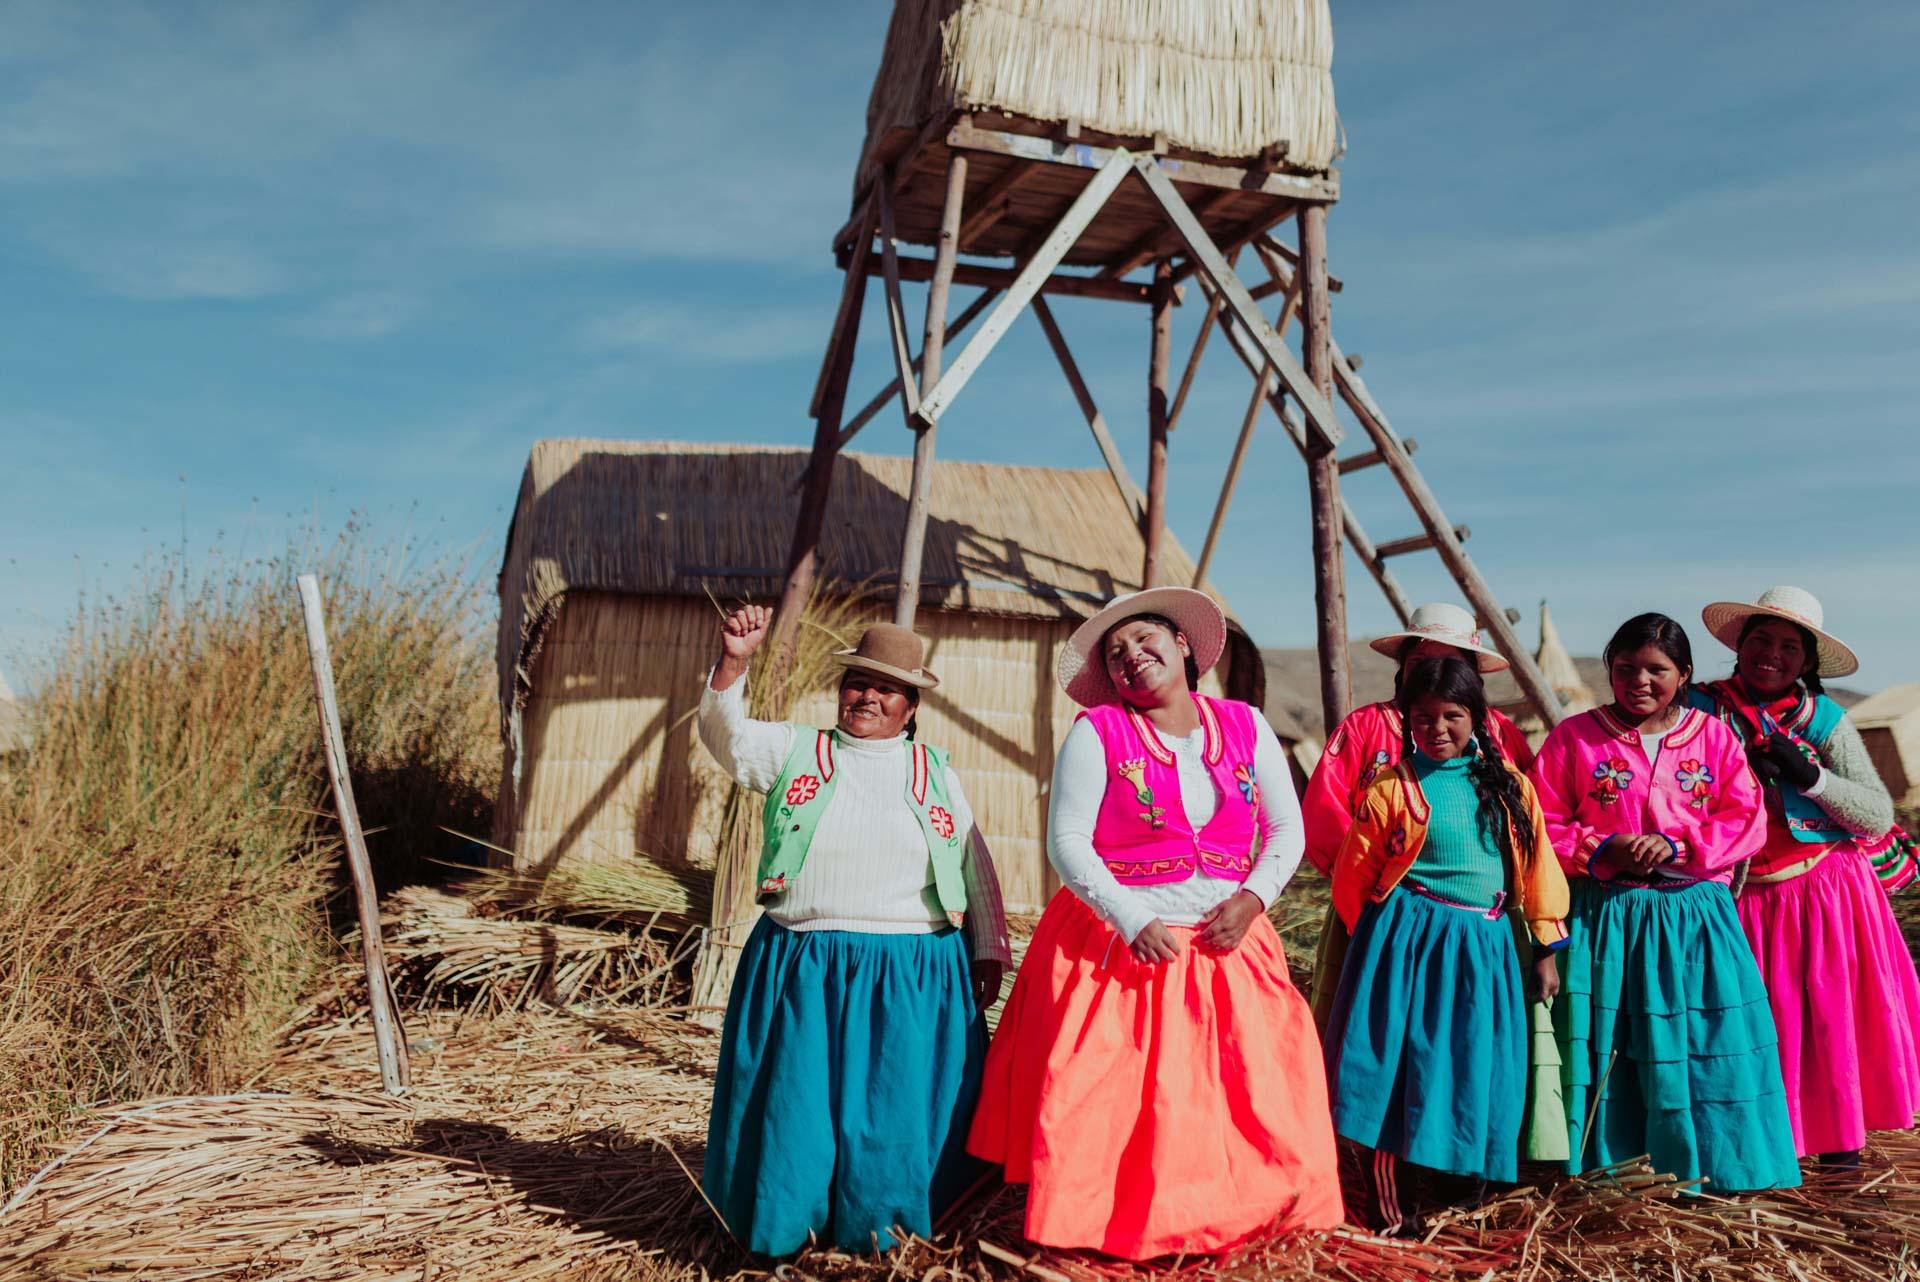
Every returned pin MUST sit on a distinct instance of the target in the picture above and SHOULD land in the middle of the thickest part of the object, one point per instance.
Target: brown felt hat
(892, 651)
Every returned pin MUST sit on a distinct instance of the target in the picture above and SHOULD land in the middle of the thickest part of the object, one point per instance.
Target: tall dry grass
(167, 847)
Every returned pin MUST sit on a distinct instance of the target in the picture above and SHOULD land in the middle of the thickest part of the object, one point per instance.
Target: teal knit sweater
(1459, 860)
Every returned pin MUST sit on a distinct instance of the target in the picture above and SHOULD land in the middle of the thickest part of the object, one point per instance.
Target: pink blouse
(1595, 782)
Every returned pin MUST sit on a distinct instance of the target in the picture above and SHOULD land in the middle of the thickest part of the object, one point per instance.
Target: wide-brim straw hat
(1449, 625)
(1724, 619)
(892, 651)
(1082, 671)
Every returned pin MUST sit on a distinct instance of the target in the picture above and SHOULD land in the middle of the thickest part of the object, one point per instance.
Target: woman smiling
(1838, 973)
(1156, 1079)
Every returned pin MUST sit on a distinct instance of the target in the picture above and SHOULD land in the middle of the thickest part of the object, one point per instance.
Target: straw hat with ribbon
(1449, 625)
(892, 651)
(1834, 657)
(1082, 670)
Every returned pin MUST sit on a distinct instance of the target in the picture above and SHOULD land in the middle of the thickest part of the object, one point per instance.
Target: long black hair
(1503, 809)
(1811, 677)
(1193, 668)
(1663, 634)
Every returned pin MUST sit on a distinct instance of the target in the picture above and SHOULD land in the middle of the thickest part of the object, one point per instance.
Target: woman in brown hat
(1814, 905)
(1155, 1079)
(854, 1035)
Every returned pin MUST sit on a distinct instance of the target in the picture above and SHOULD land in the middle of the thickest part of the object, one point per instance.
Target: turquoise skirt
(849, 1068)
(1668, 1039)
(1427, 1043)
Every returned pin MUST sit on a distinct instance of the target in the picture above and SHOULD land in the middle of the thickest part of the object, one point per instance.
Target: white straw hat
(1449, 625)
(1083, 673)
(1834, 657)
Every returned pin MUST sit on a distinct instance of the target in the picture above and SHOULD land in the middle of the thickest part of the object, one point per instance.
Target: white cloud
(357, 316)
(720, 333)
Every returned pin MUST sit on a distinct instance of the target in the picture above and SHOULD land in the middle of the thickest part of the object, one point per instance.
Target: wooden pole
(896, 309)
(1323, 473)
(1159, 370)
(913, 543)
(389, 1039)
(1096, 422)
(1254, 405)
(826, 434)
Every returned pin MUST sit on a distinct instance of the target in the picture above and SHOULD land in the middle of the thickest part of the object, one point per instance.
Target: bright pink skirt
(1157, 1109)
(1845, 1001)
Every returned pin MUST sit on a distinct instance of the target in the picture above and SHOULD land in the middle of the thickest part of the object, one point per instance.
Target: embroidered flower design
(1372, 771)
(774, 885)
(1610, 777)
(1696, 781)
(942, 822)
(1135, 773)
(802, 790)
(1397, 841)
(1243, 775)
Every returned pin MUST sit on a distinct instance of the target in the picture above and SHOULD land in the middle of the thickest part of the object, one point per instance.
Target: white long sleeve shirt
(1079, 784)
(867, 868)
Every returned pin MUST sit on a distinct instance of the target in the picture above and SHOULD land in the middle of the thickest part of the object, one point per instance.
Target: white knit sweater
(867, 868)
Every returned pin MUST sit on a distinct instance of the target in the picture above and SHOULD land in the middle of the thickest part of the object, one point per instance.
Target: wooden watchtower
(1124, 151)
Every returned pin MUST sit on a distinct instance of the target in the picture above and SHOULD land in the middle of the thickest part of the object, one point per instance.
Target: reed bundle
(1226, 78)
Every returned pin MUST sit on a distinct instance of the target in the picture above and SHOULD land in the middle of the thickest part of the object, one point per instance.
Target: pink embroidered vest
(1141, 831)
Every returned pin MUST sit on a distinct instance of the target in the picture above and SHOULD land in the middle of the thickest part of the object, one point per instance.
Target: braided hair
(1503, 808)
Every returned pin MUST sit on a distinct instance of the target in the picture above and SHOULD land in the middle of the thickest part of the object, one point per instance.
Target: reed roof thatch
(1223, 78)
(674, 519)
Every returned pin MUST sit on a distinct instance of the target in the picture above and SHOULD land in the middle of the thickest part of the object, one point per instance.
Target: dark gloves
(1780, 761)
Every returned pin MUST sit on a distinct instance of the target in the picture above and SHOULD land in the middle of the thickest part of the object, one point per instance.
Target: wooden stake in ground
(395, 1073)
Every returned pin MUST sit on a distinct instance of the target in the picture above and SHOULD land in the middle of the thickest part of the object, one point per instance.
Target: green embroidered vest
(800, 797)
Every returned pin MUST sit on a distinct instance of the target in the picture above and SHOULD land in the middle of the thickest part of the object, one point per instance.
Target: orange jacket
(1389, 829)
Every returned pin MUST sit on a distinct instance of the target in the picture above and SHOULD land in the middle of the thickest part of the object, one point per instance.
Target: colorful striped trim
(1416, 796)
(917, 780)
(1215, 742)
(1149, 737)
(823, 754)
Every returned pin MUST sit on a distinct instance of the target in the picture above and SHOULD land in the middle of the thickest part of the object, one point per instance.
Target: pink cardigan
(1594, 781)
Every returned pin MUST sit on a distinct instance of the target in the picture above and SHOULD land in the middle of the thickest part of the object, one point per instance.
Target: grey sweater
(1850, 790)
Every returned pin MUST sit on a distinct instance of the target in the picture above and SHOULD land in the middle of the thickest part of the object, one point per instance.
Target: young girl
(1839, 976)
(1427, 1047)
(1155, 1079)
(1667, 1037)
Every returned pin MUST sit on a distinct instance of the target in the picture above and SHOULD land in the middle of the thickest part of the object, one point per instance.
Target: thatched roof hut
(1562, 671)
(1890, 723)
(1222, 78)
(620, 552)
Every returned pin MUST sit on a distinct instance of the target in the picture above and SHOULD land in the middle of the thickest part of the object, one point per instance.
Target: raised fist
(744, 630)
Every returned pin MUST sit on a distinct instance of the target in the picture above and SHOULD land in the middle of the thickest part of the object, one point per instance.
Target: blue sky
(1643, 279)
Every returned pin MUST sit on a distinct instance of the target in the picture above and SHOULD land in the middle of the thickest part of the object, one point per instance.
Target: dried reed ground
(564, 1143)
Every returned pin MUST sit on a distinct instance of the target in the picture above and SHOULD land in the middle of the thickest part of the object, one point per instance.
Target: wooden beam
(915, 269)
(1323, 473)
(896, 309)
(1130, 493)
(1207, 323)
(389, 1039)
(1313, 403)
(902, 149)
(1026, 284)
(1270, 244)
(1255, 227)
(913, 541)
(1159, 374)
(1225, 501)
(996, 200)
(1316, 187)
(819, 479)
(1296, 431)
(852, 297)
(1158, 241)
(1416, 543)
(1479, 596)
(1373, 458)
(872, 408)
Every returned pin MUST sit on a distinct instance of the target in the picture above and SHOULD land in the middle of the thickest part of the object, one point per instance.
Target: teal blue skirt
(1668, 1039)
(1427, 1045)
(849, 1068)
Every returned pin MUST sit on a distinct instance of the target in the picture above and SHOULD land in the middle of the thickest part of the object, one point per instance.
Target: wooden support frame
(1373, 458)
(896, 310)
(914, 268)
(1323, 473)
(997, 199)
(1159, 374)
(1416, 543)
(1213, 264)
(1318, 187)
(1026, 284)
(1232, 479)
(1160, 241)
(1130, 492)
(906, 601)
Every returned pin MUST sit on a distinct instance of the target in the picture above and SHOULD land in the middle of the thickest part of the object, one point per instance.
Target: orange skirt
(1157, 1109)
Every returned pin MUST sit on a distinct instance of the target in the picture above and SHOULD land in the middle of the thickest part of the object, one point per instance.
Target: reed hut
(1562, 672)
(13, 722)
(621, 554)
(1890, 723)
